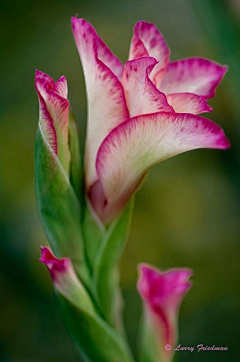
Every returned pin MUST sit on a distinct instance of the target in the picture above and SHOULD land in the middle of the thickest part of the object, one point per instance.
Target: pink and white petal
(188, 103)
(44, 76)
(106, 102)
(54, 114)
(135, 146)
(192, 75)
(87, 38)
(148, 41)
(141, 95)
(108, 58)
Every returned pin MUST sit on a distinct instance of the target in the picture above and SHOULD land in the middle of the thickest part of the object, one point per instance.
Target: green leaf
(147, 343)
(106, 280)
(58, 206)
(76, 163)
(92, 230)
(94, 338)
(93, 234)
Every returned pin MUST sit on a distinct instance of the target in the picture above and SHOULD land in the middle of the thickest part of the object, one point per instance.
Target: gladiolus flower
(142, 113)
(139, 114)
(162, 294)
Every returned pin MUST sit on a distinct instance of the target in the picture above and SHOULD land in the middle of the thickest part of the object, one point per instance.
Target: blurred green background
(187, 213)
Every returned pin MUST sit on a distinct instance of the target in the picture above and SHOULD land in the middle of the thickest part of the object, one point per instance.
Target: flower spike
(139, 114)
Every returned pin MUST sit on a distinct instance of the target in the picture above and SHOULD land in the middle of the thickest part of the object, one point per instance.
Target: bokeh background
(187, 213)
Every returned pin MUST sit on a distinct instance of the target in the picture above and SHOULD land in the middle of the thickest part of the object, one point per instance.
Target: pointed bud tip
(37, 73)
(74, 20)
(55, 266)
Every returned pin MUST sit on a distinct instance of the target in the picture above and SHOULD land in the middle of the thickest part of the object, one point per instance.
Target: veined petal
(141, 95)
(133, 147)
(192, 75)
(188, 103)
(45, 119)
(148, 41)
(61, 87)
(54, 114)
(106, 102)
(162, 293)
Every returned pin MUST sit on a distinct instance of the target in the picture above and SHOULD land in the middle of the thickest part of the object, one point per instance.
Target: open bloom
(162, 293)
(142, 113)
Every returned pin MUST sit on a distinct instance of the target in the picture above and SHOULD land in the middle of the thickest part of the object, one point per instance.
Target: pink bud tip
(162, 293)
(55, 266)
(157, 287)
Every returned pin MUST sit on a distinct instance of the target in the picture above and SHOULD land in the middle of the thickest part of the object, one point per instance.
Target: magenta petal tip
(161, 287)
(55, 266)
(223, 143)
(74, 19)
